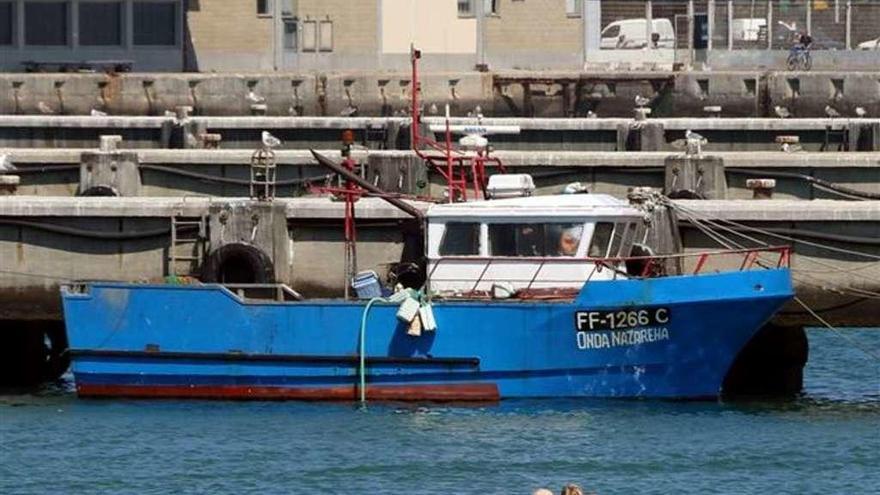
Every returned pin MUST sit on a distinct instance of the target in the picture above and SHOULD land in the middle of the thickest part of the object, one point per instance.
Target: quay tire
(238, 263)
(104, 191)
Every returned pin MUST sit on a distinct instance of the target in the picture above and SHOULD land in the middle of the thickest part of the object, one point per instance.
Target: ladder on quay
(181, 237)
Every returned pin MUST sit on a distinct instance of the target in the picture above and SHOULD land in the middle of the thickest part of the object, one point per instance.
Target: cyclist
(800, 51)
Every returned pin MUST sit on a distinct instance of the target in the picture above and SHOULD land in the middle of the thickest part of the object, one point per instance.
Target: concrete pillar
(73, 24)
(690, 16)
(109, 172)
(591, 12)
(277, 35)
(649, 25)
(769, 24)
(248, 239)
(19, 23)
(128, 22)
(710, 13)
(848, 24)
(809, 17)
(480, 13)
(695, 177)
(730, 24)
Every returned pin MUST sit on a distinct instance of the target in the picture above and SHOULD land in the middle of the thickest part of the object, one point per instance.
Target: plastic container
(366, 285)
(408, 310)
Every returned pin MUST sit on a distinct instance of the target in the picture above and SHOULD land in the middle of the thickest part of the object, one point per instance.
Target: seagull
(694, 143)
(270, 141)
(254, 97)
(831, 112)
(478, 111)
(349, 111)
(433, 109)
(6, 164)
(575, 188)
(642, 101)
(861, 112)
(790, 27)
(169, 113)
(782, 112)
(97, 113)
(790, 148)
(693, 136)
(44, 108)
(591, 114)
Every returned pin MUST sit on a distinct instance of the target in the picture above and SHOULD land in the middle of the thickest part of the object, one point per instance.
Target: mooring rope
(837, 331)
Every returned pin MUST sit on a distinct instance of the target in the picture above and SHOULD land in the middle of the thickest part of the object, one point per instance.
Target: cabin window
(617, 239)
(534, 239)
(601, 240)
(460, 239)
(628, 239)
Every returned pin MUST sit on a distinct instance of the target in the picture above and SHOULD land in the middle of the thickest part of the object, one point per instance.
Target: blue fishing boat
(522, 297)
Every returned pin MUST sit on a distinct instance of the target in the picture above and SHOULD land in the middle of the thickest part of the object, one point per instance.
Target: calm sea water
(825, 442)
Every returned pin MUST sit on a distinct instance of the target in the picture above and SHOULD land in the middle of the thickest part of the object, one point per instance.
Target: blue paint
(527, 349)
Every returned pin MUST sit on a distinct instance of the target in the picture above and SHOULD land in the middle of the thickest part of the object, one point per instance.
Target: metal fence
(742, 24)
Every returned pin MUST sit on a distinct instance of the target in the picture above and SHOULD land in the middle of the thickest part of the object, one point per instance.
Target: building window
(264, 7)
(573, 8)
(290, 34)
(6, 18)
(155, 24)
(100, 23)
(466, 8)
(45, 23)
(326, 36)
(310, 36)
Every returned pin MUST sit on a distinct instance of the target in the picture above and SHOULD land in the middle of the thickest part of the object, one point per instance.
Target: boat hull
(682, 336)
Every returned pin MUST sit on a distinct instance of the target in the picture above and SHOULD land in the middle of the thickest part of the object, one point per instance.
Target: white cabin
(538, 242)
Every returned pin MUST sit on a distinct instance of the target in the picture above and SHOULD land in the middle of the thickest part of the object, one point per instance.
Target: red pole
(416, 87)
(450, 190)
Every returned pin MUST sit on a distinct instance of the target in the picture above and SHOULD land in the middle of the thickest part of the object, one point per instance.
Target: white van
(631, 34)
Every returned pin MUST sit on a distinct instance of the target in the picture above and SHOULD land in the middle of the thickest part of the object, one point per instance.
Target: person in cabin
(569, 240)
(530, 242)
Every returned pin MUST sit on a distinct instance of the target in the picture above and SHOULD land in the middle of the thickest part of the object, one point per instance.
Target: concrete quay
(225, 172)
(569, 134)
(387, 93)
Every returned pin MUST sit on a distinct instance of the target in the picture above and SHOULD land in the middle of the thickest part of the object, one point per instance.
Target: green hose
(362, 361)
(362, 365)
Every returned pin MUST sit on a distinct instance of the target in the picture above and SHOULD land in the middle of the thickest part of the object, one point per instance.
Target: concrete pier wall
(224, 173)
(539, 134)
(505, 93)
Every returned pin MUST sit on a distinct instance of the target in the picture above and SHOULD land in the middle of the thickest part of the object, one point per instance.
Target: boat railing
(265, 292)
(632, 267)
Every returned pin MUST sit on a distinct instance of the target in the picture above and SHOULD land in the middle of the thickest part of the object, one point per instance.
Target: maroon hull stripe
(452, 392)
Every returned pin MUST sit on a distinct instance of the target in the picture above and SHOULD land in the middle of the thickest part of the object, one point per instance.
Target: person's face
(568, 244)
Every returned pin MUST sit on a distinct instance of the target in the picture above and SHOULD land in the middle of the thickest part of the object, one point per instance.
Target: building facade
(146, 35)
(338, 35)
